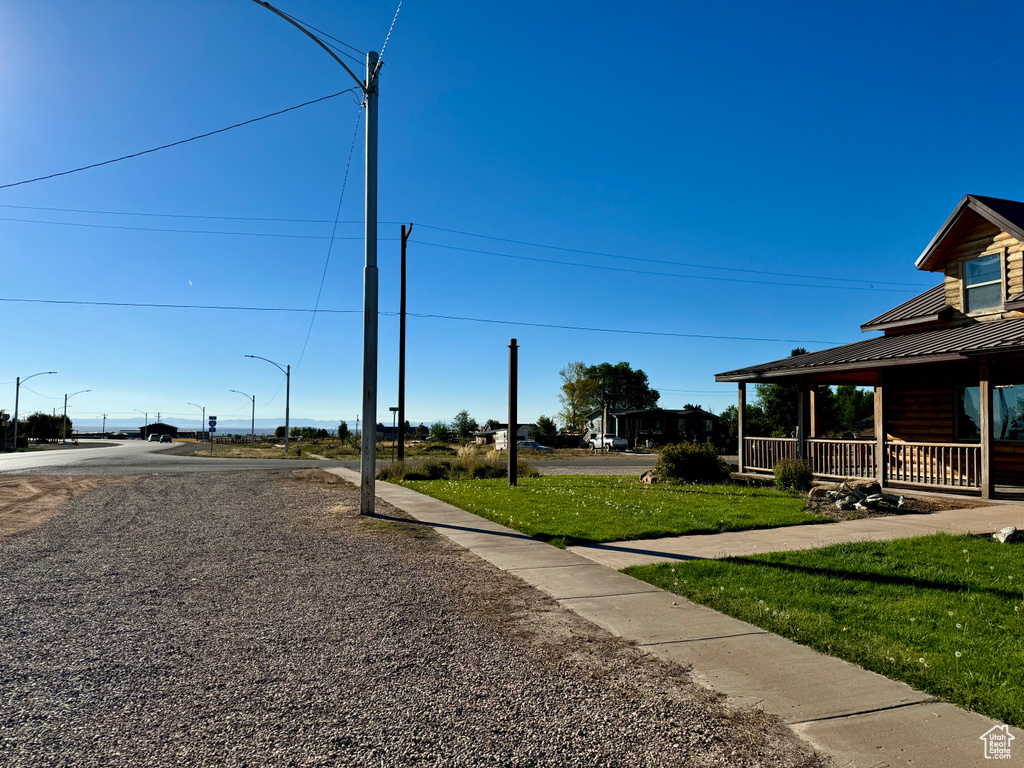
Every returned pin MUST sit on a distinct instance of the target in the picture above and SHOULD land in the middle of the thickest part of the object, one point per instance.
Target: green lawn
(575, 509)
(942, 613)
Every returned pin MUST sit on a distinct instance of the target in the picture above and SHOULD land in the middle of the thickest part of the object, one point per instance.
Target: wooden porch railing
(934, 464)
(763, 453)
(949, 465)
(842, 458)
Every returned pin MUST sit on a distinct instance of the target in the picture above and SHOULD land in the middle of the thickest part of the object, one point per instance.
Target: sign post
(213, 428)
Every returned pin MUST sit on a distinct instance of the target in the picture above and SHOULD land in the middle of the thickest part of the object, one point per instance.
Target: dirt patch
(29, 501)
(912, 505)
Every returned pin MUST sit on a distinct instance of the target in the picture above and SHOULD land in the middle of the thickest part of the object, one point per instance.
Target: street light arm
(314, 38)
(41, 373)
(79, 392)
(257, 357)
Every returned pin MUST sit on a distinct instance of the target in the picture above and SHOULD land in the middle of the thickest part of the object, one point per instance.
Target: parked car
(530, 445)
(154, 438)
(165, 439)
(610, 442)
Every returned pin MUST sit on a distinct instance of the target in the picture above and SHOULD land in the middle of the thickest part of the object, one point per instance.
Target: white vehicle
(609, 442)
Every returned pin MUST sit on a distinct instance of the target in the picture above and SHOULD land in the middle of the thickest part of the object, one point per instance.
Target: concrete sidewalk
(858, 717)
(622, 554)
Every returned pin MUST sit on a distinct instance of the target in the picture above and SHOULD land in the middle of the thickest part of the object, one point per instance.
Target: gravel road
(253, 619)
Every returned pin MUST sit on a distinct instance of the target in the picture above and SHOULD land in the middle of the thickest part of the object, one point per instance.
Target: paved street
(252, 619)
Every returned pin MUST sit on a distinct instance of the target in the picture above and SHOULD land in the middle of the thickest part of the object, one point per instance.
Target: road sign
(213, 421)
(212, 429)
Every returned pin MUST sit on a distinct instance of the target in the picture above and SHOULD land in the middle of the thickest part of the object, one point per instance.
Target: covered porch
(949, 422)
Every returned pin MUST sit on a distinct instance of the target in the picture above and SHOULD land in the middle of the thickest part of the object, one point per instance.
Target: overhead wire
(337, 215)
(380, 60)
(176, 231)
(410, 314)
(176, 143)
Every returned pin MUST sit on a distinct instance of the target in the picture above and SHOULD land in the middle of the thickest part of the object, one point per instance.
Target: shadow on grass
(872, 578)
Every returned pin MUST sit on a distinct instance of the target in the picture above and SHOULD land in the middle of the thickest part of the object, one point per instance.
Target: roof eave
(937, 317)
(790, 373)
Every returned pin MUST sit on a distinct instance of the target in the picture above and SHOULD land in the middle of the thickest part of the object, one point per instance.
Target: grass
(942, 613)
(583, 509)
(265, 451)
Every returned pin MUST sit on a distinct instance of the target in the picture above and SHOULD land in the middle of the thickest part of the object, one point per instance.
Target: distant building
(158, 428)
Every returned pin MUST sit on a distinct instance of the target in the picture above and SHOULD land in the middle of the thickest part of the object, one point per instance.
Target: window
(983, 283)
(705, 425)
(1007, 413)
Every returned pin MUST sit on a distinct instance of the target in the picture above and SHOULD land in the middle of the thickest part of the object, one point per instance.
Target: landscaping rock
(1009, 535)
(818, 493)
(650, 477)
(846, 503)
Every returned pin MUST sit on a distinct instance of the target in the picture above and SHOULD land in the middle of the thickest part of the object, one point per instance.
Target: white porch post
(740, 427)
(985, 389)
(880, 457)
(801, 422)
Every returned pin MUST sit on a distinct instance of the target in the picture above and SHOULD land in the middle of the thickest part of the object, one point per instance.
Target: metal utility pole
(252, 436)
(287, 371)
(203, 423)
(513, 415)
(17, 391)
(394, 434)
(64, 424)
(145, 430)
(104, 430)
(369, 89)
(401, 349)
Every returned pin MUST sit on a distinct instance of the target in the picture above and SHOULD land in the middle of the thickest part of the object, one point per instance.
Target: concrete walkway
(622, 554)
(861, 719)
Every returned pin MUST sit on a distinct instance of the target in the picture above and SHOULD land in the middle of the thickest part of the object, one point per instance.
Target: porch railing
(950, 465)
(934, 464)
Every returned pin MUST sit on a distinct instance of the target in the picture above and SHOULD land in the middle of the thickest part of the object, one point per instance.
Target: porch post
(880, 455)
(740, 427)
(801, 422)
(814, 411)
(985, 388)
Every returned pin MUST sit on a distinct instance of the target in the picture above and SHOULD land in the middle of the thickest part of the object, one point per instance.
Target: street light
(17, 390)
(145, 429)
(253, 435)
(287, 371)
(64, 425)
(203, 423)
(370, 91)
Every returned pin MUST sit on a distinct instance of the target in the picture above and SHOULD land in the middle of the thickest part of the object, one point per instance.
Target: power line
(380, 60)
(412, 314)
(327, 261)
(658, 261)
(176, 231)
(661, 274)
(176, 143)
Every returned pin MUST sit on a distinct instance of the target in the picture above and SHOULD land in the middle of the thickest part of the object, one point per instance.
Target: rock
(650, 477)
(893, 499)
(865, 487)
(818, 493)
(845, 503)
(1009, 535)
(872, 501)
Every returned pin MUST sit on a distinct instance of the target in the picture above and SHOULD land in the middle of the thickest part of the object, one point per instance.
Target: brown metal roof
(921, 347)
(1008, 215)
(927, 307)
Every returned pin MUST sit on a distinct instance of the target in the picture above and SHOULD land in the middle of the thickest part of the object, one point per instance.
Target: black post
(513, 416)
(401, 349)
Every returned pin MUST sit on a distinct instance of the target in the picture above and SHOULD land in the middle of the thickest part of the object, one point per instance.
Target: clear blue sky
(806, 138)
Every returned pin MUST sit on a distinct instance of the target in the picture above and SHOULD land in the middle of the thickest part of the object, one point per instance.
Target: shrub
(473, 467)
(792, 475)
(690, 463)
(445, 450)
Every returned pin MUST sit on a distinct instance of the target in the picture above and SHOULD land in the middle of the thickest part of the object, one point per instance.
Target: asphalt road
(116, 457)
(119, 457)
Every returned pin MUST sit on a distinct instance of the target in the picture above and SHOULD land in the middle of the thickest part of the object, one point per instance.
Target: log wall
(981, 237)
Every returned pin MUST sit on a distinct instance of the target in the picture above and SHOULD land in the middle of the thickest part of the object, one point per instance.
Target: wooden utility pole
(401, 350)
(513, 415)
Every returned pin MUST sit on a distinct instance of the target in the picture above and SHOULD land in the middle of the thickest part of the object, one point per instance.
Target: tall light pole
(64, 424)
(17, 390)
(287, 371)
(145, 429)
(368, 462)
(252, 437)
(203, 423)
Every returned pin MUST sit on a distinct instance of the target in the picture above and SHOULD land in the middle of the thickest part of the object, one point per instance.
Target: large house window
(1007, 413)
(983, 283)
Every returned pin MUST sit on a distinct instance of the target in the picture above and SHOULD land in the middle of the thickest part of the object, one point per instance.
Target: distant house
(656, 425)
(484, 436)
(158, 428)
(947, 371)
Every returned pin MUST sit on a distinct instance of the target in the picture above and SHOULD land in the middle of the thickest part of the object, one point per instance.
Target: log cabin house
(947, 373)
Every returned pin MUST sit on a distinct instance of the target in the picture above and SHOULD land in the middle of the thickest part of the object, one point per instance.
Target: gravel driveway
(253, 619)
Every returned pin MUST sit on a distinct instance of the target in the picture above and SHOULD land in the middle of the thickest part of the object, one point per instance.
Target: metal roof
(1008, 215)
(929, 306)
(920, 347)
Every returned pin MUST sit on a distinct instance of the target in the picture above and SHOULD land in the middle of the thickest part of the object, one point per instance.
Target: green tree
(492, 424)
(44, 427)
(463, 424)
(619, 387)
(753, 424)
(546, 428)
(279, 433)
(295, 433)
(343, 432)
(576, 396)
(778, 403)
(441, 431)
(852, 407)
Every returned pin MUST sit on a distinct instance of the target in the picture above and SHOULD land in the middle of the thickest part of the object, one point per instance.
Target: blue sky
(802, 138)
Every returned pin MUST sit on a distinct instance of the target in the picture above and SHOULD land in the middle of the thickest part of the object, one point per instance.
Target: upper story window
(983, 283)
